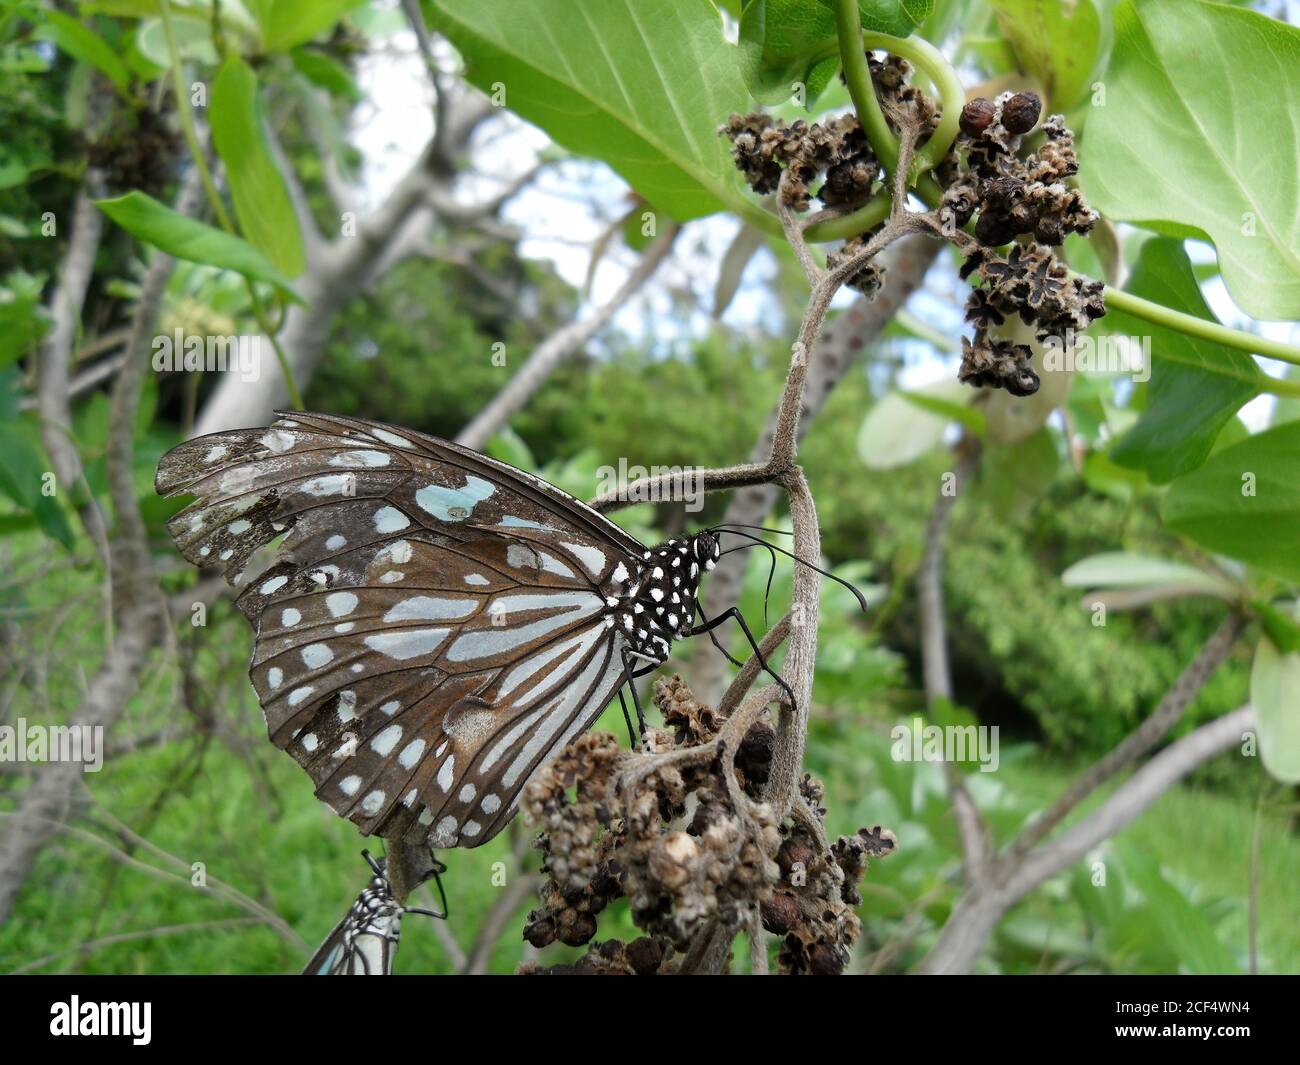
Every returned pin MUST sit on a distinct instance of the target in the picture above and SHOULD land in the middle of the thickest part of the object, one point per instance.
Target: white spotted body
(656, 604)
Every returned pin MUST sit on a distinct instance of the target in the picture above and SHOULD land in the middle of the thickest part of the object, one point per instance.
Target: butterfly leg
(713, 638)
(627, 719)
(734, 612)
(631, 673)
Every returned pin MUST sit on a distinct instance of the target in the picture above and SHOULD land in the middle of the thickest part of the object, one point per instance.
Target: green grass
(1203, 838)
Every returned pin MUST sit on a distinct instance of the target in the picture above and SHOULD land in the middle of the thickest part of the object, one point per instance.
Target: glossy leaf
(784, 42)
(641, 84)
(1196, 385)
(1245, 501)
(84, 45)
(257, 188)
(158, 225)
(1194, 138)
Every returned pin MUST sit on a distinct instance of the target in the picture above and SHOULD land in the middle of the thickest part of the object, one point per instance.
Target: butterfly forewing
(431, 628)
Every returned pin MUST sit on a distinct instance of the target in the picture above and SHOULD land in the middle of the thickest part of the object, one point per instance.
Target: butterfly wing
(363, 943)
(432, 625)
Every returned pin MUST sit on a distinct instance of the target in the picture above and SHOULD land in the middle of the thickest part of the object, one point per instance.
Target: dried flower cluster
(812, 908)
(764, 149)
(1013, 198)
(680, 830)
(990, 187)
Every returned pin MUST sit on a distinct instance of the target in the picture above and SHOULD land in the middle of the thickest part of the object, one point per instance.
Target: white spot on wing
(447, 773)
(386, 740)
(409, 644)
(341, 603)
(316, 655)
(591, 557)
(362, 459)
(390, 520)
(427, 608)
(411, 753)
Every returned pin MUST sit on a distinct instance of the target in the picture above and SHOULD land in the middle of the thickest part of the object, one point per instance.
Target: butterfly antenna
(862, 599)
(741, 525)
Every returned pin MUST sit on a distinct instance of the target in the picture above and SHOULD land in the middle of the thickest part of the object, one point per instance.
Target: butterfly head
(705, 549)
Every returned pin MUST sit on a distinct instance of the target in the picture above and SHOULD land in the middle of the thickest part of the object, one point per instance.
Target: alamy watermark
(197, 352)
(1108, 353)
(53, 743)
(958, 744)
(667, 484)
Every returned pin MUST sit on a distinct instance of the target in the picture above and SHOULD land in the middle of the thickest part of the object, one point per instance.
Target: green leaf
(897, 431)
(286, 23)
(1280, 626)
(157, 224)
(326, 72)
(1057, 42)
(783, 42)
(1245, 501)
(1126, 569)
(22, 317)
(1194, 139)
(1196, 385)
(84, 45)
(261, 197)
(22, 473)
(1182, 925)
(641, 84)
(1275, 695)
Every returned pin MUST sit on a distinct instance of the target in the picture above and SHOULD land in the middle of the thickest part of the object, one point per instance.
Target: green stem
(952, 93)
(857, 75)
(214, 197)
(1119, 300)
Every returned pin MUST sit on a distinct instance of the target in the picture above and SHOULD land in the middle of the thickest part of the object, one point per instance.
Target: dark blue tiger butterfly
(434, 624)
(365, 941)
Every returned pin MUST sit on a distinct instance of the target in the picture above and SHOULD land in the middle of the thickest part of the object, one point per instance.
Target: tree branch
(560, 345)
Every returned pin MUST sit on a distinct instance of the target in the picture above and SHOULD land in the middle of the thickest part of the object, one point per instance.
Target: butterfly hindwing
(429, 629)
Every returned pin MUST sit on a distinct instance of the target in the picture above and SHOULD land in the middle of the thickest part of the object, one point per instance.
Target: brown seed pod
(1020, 113)
(976, 116)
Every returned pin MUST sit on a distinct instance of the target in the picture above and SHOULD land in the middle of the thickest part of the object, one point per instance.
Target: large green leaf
(1196, 385)
(85, 45)
(787, 41)
(1245, 501)
(641, 84)
(266, 215)
(1197, 137)
(1057, 42)
(157, 224)
(1275, 694)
